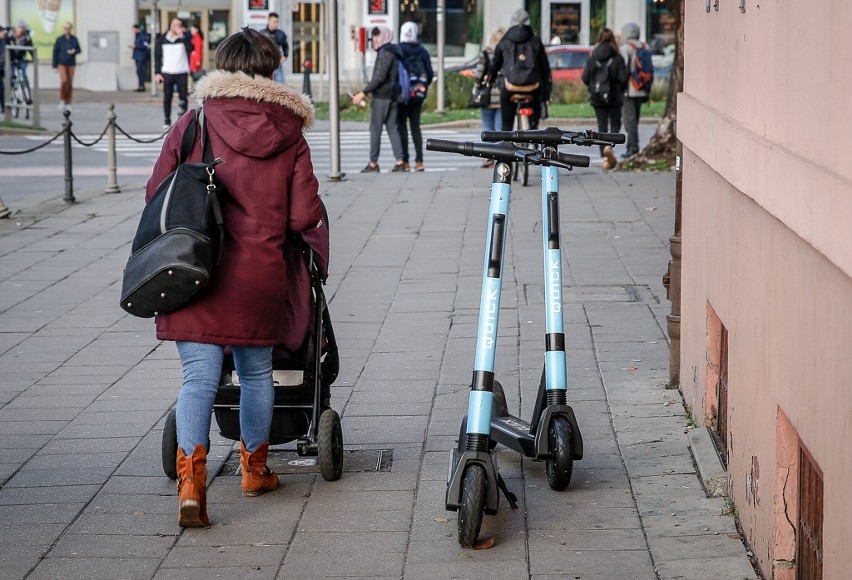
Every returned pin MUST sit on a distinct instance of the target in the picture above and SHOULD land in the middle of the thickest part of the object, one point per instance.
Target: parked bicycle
(20, 97)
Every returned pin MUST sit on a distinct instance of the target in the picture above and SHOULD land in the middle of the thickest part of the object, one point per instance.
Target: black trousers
(609, 120)
(169, 83)
(509, 109)
(141, 67)
(410, 114)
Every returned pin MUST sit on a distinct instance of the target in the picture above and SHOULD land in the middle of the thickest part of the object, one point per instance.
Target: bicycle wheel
(17, 99)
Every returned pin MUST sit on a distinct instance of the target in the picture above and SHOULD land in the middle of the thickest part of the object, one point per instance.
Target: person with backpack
(521, 57)
(640, 73)
(415, 59)
(490, 111)
(606, 76)
(384, 86)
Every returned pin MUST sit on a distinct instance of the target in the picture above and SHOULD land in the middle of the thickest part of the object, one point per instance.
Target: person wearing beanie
(419, 66)
(521, 57)
(633, 98)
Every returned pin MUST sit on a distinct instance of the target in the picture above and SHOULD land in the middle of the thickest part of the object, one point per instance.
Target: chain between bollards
(69, 174)
(112, 179)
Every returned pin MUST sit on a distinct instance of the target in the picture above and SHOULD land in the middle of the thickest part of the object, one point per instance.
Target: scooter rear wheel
(472, 504)
(560, 464)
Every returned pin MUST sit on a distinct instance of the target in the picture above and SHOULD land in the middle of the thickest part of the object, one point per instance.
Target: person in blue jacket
(141, 53)
(65, 51)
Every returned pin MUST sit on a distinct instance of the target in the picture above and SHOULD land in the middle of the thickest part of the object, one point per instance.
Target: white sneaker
(61, 106)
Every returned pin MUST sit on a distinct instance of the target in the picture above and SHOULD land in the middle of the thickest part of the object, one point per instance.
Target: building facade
(766, 298)
(105, 34)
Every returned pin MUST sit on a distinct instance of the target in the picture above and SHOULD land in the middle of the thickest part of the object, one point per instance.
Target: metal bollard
(69, 177)
(112, 179)
(306, 79)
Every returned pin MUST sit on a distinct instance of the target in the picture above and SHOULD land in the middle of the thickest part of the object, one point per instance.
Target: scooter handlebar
(506, 152)
(574, 160)
(554, 136)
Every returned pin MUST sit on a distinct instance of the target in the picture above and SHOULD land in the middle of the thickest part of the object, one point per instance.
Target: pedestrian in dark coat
(141, 53)
(65, 51)
(606, 54)
(409, 113)
(255, 125)
(385, 90)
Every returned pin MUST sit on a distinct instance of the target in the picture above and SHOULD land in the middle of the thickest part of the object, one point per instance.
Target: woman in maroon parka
(255, 298)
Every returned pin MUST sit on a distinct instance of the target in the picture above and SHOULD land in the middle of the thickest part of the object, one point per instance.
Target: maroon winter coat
(255, 297)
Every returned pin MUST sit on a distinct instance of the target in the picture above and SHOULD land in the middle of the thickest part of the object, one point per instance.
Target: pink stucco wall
(767, 243)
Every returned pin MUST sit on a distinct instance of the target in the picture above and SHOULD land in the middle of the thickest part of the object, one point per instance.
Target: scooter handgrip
(575, 160)
(612, 137)
(446, 146)
(494, 136)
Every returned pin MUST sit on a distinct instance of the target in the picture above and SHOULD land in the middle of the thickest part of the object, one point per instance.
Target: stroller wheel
(330, 445)
(170, 446)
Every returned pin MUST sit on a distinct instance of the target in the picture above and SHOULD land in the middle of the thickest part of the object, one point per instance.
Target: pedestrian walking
(521, 57)
(141, 53)
(20, 58)
(256, 125)
(279, 37)
(419, 66)
(196, 59)
(606, 76)
(385, 90)
(65, 51)
(490, 115)
(171, 66)
(633, 97)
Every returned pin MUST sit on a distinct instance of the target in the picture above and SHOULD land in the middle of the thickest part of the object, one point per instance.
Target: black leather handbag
(179, 236)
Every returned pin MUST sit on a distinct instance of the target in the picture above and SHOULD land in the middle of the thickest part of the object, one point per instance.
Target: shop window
(462, 22)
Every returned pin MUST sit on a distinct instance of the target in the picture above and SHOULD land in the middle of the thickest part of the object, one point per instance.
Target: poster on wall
(256, 14)
(565, 22)
(44, 19)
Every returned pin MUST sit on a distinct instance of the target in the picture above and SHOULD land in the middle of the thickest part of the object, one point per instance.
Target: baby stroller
(303, 377)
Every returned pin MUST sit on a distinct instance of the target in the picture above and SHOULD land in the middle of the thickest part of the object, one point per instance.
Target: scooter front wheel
(560, 464)
(472, 505)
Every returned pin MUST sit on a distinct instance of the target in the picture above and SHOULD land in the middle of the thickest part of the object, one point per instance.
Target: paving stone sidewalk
(84, 390)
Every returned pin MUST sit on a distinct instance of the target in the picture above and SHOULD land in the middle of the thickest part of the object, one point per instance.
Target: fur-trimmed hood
(256, 117)
(219, 84)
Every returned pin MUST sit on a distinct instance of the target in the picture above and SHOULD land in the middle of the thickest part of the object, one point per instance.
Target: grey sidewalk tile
(248, 572)
(735, 568)
(684, 547)
(340, 554)
(17, 534)
(25, 559)
(226, 556)
(59, 478)
(564, 560)
(87, 568)
(90, 546)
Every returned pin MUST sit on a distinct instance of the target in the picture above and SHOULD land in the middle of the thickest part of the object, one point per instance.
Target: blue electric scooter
(474, 482)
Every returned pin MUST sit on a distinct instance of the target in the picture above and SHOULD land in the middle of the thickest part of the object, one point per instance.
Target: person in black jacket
(279, 37)
(141, 49)
(2, 69)
(65, 51)
(520, 75)
(413, 51)
(607, 106)
(171, 65)
(385, 90)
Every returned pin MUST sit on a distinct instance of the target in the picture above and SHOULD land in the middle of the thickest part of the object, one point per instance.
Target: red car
(566, 63)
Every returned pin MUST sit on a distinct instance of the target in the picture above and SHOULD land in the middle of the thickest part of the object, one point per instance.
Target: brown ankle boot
(257, 477)
(192, 488)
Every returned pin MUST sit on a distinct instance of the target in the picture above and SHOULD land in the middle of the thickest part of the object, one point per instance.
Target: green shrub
(660, 89)
(457, 90)
(569, 93)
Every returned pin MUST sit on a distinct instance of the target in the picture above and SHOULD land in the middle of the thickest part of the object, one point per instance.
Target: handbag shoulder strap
(207, 149)
(188, 139)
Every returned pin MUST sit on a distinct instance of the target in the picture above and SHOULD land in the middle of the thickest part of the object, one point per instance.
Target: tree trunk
(662, 144)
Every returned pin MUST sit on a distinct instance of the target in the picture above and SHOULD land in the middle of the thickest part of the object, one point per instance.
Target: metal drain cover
(289, 461)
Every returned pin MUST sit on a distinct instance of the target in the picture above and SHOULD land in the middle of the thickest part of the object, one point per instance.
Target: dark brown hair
(248, 51)
(605, 36)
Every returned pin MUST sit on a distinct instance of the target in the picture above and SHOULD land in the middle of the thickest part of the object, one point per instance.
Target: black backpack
(179, 236)
(521, 72)
(600, 87)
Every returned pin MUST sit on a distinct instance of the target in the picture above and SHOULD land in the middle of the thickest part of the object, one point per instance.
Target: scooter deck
(514, 433)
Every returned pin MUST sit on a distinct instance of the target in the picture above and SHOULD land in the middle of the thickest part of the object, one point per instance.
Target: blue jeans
(202, 369)
(491, 119)
(278, 74)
